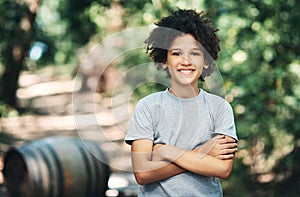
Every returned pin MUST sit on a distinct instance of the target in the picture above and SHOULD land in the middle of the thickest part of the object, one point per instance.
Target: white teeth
(186, 71)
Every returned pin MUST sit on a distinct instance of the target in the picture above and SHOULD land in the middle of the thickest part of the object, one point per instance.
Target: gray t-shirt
(185, 123)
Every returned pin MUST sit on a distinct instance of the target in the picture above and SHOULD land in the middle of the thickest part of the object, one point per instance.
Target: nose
(185, 60)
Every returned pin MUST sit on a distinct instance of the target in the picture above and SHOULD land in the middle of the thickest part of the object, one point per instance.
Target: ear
(206, 65)
(164, 65)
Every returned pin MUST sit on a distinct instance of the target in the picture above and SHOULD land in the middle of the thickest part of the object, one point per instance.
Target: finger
(219, 137)
(157, 154)
(230, 138)
(226, 157)
(226, 141)
(157, 146)
(227, 151)
(229, 146)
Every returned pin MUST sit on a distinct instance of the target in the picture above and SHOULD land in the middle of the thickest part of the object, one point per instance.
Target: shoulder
(216, 102)
(152, 98)
(147, 102)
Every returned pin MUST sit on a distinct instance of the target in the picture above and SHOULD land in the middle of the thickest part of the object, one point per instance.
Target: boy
(182, 139)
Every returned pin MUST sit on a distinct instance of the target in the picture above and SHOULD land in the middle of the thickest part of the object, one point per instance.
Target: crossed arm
(152, 163)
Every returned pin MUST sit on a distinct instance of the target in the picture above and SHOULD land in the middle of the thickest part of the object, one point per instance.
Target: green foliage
(260, 67)
(259, 62)
(7, 111)
(16, 32)
(79, 26)
(10, 16)
(146, 89)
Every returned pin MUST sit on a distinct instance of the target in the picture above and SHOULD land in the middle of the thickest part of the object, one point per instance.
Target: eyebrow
(176, 49)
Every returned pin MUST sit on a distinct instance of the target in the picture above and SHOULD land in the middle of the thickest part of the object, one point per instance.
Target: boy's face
(185, 61)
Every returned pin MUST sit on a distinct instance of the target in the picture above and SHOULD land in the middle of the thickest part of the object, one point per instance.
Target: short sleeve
(224, 120)
(141, 124)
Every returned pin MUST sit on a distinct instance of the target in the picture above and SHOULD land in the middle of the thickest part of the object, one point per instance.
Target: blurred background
(43, 42)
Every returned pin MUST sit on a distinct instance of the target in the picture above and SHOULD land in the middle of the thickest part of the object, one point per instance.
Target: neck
(187, 92)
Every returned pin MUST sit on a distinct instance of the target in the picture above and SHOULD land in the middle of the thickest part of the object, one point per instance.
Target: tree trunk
(16, 52)
(9, 80)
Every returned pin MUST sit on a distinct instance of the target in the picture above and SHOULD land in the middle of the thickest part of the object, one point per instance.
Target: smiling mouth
(186, 71)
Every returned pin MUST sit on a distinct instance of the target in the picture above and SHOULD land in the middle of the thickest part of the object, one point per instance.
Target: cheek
(198, 61)
(200, 69)
(200, 65)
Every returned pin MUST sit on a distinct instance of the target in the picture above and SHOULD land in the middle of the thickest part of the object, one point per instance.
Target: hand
(157, 146)
(221, 146)
(158, 152)
(165, 152)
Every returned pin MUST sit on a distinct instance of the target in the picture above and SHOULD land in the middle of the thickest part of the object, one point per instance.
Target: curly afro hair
(184, 22)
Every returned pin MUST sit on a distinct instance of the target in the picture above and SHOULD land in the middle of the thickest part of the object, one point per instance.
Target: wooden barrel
(56, 167)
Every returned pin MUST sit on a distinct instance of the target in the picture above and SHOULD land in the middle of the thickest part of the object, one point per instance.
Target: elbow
(225, 175)
(141, 178)
(226, 172)
(140, 181)
(226, 169)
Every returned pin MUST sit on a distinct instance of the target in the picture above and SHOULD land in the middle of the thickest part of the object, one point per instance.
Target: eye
(176, 53)
(196, 53)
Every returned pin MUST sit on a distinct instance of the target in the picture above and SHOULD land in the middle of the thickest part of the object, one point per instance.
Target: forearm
(152, 171)
(201, 164)
(221, 147)
(147, 170)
